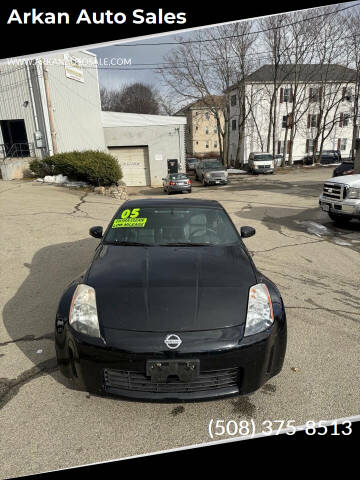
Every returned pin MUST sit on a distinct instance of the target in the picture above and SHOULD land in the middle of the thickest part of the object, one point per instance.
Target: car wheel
(169, 192)
(340, 219)
(189, 191)
(205, 184)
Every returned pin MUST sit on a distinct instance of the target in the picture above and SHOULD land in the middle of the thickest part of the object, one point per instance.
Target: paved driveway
(46, 424)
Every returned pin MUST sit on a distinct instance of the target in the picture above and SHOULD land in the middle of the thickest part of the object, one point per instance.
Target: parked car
(327, 157)
(176, 182)
(261, 162)
(211, 171)
(171, 307)
(345, 168)
(191, 164)
(340, 198)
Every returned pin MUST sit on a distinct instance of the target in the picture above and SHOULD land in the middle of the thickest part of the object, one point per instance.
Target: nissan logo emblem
(173, 341)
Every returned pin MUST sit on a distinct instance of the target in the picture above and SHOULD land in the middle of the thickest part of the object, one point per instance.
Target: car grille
(137, 381)
(220, 176)
(334, 191)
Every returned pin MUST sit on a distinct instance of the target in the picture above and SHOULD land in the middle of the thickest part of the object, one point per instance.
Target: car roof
(165, 202)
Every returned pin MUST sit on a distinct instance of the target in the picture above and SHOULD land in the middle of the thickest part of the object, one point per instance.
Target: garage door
(134, 163)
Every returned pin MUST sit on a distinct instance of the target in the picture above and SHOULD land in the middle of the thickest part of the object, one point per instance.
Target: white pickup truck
(340, 198)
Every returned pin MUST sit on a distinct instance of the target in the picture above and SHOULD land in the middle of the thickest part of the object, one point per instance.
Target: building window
(313, 120)
(342, 144)
(207, 115)
(287, 94)
(196, 128)
(207, 130)
(215, 129)
(233, 100)
(315, 95)
(233, 124)
(197, 143)
(310, 145)
(206, 144)
(215, 144)
(347, 94)
(344, 119)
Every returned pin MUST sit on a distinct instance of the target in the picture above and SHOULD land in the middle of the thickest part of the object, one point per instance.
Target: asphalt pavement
(46, 424)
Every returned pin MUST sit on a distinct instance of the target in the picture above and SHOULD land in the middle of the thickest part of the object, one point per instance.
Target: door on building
(173, 166)
(134, 163)
(15, 138)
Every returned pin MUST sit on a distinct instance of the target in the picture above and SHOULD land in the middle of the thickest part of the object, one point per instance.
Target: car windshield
(165, 226)
(207, 164)
(177, 176)
(263, 157)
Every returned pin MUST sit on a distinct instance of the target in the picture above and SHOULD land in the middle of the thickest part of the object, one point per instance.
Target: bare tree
(352, 45)
(131, 98)
(204, 70)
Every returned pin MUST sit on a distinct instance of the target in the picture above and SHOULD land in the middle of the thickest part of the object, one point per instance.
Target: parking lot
(47, 424)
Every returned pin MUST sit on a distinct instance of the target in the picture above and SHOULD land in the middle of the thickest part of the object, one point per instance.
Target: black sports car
(171, 308)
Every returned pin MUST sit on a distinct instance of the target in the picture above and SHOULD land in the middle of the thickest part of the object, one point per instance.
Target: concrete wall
(76, 106)
(166, 141)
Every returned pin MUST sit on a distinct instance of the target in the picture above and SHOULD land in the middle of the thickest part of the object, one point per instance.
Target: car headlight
(83, 312)
(207, 175)
(260, 315)
(353, 192)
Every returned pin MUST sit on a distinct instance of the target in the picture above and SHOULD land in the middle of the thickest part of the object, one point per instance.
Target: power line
(236, 36)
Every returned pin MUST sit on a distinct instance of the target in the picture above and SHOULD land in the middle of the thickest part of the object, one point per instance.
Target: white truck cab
(261, 162)
(340, 198)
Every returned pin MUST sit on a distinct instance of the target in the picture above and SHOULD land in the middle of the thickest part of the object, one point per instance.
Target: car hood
(351, 180)
(164, 289)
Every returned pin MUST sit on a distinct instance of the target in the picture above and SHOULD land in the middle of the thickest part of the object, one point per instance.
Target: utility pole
(50, 110)
(357, 156)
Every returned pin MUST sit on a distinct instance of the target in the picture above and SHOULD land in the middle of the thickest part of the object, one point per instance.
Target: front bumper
(216, 181)
(347, 207)
(263, 170)
(179, 188)
(227, 366)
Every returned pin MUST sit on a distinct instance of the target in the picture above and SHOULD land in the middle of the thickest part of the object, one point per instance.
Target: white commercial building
(50, 105)
(147, 146)
(324, 98)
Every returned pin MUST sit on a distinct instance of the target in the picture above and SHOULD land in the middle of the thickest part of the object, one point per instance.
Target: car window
(167, 226)
(177, 176)
(263, 157)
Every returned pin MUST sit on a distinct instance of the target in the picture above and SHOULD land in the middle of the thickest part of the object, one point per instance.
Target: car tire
(340, 219)
(169, 192)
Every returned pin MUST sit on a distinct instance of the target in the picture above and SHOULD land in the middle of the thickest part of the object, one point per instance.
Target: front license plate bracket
(159, 370)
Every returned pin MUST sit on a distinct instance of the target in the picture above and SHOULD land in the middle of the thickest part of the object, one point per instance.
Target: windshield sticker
(129, 222)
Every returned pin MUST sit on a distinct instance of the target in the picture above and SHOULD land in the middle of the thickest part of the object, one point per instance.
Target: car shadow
(29, 316)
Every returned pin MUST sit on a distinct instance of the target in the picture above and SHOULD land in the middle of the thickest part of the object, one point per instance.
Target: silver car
(176, 182)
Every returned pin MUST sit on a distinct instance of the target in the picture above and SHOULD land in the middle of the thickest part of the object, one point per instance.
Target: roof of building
(120, 119)
(204, 102)
(310, 72)
(305, 72)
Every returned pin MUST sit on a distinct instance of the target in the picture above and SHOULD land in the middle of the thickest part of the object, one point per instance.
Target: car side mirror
(247, 232)
(96, 232)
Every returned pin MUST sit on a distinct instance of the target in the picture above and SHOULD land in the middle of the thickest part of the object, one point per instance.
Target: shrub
(92, 166)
